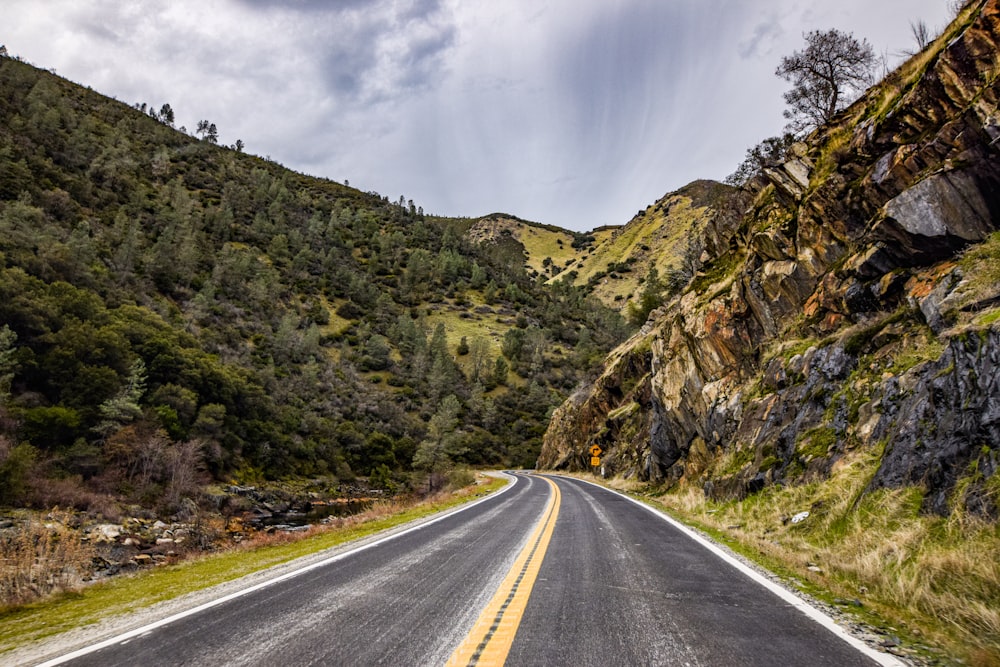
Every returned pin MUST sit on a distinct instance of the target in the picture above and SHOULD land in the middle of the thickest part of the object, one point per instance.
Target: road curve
(585, 577)
(621, 585)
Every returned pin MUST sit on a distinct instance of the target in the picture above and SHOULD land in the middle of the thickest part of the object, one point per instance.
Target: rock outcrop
(854, 306)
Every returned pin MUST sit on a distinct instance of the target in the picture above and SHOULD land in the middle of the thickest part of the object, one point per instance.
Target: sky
(574, 113)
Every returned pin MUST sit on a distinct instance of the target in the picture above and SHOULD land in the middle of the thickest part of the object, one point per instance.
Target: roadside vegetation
(78, 605)
(931, 582)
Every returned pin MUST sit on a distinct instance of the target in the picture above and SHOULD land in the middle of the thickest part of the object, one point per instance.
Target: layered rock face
(853, 307)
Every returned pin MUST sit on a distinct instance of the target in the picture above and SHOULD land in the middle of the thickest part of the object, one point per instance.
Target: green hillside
(174, 312)
(613, 263)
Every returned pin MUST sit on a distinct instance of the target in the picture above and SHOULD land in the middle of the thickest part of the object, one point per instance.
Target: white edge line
(125, 636)
(885, 659)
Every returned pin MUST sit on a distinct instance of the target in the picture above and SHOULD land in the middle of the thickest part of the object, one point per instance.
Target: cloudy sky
(568, 112)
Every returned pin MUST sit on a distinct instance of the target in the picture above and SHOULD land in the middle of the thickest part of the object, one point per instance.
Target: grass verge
(29, 623)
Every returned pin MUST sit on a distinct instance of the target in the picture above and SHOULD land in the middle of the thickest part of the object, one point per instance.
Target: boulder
(105, 532)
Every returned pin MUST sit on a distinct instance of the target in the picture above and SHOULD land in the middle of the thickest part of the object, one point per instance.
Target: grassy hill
(612, 263)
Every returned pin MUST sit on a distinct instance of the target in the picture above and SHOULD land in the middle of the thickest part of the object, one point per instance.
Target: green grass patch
(721, 268)
(458, 323)
(795, 348)
(816, 443)
(733, 460)
(541, 243)
(988, 318)
(122, 595)
(980, 266)
(337, 324)
(926, 350)
(623, 411)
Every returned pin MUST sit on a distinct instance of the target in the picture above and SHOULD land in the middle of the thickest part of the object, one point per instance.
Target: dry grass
(981, 270)
(541, 243)
(40, 559)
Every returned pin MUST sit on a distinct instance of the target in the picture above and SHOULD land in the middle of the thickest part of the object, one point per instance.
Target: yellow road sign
(595, 450)
(595, 461)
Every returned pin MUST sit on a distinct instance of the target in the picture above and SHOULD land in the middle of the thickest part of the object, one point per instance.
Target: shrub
(37, 560)
(460, 478)
(15, 465)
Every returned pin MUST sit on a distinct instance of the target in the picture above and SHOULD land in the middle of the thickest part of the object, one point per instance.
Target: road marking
(883, 659)
(147, 629)
(490, 639)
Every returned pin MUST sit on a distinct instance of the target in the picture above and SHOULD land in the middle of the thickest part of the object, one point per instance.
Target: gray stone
(105, 532)
(799, 169)
(935, 305)
(944, 204)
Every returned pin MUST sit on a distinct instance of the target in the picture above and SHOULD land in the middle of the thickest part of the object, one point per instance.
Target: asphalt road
(582, 576)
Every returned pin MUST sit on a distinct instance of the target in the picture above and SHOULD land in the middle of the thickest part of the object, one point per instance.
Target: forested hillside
(173, 311)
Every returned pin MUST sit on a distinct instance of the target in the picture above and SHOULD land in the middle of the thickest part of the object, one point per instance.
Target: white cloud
(571, 112)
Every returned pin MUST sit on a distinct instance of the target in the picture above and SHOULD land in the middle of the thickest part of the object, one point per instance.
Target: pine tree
(435, 454)
(124, 406)
(7, 363)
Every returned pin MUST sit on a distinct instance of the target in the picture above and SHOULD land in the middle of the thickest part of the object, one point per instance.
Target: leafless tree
(825, 76)
(921, 34)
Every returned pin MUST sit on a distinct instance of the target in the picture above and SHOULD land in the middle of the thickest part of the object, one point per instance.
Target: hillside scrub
(85, 604)
(174, 312)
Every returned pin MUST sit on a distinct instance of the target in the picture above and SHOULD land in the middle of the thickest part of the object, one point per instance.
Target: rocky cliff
(853, 305)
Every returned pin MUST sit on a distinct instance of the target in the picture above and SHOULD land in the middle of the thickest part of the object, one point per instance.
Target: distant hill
(612, 263)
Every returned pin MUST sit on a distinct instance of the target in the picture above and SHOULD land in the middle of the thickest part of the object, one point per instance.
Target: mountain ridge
(612, 262)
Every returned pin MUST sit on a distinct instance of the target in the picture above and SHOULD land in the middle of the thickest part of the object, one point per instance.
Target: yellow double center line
(491, 637)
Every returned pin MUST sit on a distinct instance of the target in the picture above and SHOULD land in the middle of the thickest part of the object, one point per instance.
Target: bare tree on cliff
(825, 76)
